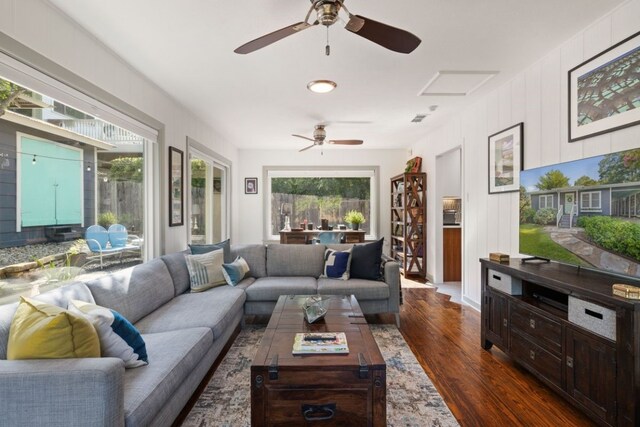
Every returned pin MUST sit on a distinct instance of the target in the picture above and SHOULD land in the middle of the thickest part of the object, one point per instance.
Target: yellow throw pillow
(44, 331)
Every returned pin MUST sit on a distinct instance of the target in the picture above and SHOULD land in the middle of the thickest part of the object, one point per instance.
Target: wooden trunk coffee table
(323, 389)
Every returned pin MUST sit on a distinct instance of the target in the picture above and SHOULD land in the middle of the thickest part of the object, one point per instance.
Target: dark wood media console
(564, 325)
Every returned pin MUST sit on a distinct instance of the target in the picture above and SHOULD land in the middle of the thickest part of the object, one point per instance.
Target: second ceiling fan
(319, 135)
(327, 14)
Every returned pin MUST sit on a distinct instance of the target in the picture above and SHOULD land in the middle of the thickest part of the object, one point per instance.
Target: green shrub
(527, 215)
(622, 237)
(107, 219)
(545, 216)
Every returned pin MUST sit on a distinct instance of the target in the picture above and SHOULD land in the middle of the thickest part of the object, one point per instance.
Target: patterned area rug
(412, 400)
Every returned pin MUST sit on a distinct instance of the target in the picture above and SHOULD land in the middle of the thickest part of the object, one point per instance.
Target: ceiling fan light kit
(327, 12)
(321, 86)
(319, 135)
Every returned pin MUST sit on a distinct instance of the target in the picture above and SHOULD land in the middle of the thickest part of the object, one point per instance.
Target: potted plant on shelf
(355, 218)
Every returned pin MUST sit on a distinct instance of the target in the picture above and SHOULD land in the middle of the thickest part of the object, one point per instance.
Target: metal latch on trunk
(273, 368)
(364, 368)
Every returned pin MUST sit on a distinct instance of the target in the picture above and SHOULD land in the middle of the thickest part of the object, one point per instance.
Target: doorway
(208, 195)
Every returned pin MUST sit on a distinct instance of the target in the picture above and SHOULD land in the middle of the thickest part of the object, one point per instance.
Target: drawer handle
(593, 313)
(570, 361)
(318, 412)
(497, 277)
(532, 355)
(532, 323)
(504, 322)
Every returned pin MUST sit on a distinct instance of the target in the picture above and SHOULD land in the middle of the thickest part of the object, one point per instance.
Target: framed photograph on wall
(251, 186)
(506, 159)
(604, 91)
(176, 179)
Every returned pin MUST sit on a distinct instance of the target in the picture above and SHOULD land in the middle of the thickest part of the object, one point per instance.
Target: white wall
(391, 163)
(43, 28)
(538, 97)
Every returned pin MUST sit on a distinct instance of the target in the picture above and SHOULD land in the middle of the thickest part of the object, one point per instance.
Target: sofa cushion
(236, 271)
(134, 292)
(270, 288)
(178, 270)
(362, 289)
(366, 260)
(203, 249)
(205, 270)
(295, 260)
(44, 331)
(255, 255)
(214, 309)
(173, 356)
(118, 337)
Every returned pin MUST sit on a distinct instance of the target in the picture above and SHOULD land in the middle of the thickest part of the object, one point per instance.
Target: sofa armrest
(391, 275)
(62, 392)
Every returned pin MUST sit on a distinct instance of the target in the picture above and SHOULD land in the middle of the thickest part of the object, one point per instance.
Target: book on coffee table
(320, 343)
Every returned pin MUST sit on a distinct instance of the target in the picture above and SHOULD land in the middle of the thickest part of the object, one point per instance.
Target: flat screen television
(585, 212)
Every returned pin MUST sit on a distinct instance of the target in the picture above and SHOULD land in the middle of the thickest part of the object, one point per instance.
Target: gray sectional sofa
(184, 333)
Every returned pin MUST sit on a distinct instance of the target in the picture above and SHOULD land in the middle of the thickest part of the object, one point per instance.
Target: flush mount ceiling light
(321, 86)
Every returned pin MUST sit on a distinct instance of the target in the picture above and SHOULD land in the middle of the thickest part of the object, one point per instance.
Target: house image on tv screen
(585, 212)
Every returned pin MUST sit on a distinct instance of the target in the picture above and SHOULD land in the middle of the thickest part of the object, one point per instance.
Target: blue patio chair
(121, 239)
(97, 238)
(329, 238)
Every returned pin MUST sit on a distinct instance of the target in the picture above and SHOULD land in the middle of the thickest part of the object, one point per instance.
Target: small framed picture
(505, 159)
(251, 186)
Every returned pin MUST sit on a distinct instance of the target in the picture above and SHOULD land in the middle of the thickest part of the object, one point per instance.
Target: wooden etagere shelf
(408, 223)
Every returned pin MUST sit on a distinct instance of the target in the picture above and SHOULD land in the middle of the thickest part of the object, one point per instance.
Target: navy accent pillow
(203, 249)
(366, 260)
(336, 264)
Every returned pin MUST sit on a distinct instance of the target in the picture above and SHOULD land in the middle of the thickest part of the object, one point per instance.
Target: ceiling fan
(327, 14)
(319, 135)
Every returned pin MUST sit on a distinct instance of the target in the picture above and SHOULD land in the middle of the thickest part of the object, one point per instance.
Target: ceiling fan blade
(345, 141)
(267, 39)
(304, 137)
(306, 148)
(385, 35)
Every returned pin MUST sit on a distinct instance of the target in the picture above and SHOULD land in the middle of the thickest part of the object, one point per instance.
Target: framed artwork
(176, 179)
(251, 186)
(604, 91)
(506, 159)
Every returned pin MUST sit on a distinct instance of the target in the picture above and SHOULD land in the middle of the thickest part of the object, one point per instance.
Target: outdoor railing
(559, 215)
(571, 215)
(98, 130)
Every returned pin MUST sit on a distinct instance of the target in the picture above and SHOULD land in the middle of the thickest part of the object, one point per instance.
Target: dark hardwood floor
(482, 388)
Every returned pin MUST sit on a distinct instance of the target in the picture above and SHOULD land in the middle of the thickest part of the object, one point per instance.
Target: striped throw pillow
(205, 271)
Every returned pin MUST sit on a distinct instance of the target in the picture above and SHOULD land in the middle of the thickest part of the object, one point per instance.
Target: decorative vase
(355, 226)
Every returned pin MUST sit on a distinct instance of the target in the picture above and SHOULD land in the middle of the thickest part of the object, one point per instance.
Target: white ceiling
(258, 100)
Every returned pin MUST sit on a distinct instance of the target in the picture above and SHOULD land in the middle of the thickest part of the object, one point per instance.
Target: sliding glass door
(208, 199)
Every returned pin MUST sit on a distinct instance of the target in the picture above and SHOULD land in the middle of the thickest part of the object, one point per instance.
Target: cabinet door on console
(591, 373)
(497, 319)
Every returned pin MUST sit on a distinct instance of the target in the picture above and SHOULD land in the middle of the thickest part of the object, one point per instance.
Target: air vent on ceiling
(418, 118)
(456, 83)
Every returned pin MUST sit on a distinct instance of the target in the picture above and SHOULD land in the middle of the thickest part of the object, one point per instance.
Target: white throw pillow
(205, 271)
(118, 337)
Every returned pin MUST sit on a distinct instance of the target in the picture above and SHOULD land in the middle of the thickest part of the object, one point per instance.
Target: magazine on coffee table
(320, 343)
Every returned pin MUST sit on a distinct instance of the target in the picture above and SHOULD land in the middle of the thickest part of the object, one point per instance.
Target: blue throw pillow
(235, 271)
(203, 249)
(118, 337)
(336, 264)
(366, 261)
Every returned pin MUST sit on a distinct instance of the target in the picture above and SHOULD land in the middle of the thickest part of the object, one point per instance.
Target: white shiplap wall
(538, 97)
(44, 29)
